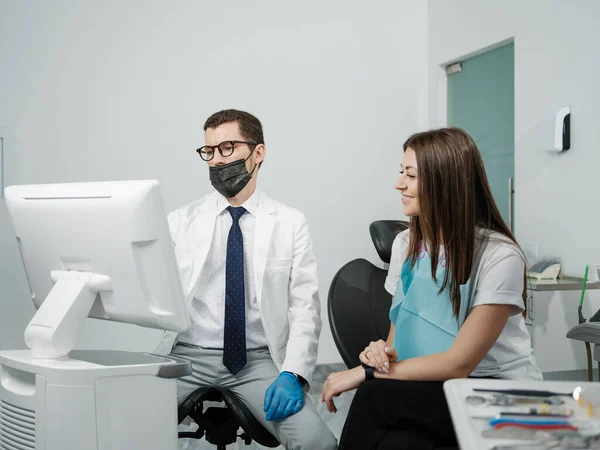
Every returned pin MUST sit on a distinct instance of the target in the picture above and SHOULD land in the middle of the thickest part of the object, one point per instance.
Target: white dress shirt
(208, 306)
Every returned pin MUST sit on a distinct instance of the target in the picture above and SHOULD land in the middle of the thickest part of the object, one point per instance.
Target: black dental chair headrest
(383, 233)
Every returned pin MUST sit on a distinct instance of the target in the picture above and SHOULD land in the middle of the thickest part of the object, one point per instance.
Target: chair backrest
(383, 233)
(358, 307)
(358, 304)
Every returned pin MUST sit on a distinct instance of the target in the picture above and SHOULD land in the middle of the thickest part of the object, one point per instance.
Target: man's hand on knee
(284, 397)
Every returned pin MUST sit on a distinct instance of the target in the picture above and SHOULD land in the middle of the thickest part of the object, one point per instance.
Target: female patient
(457, 276)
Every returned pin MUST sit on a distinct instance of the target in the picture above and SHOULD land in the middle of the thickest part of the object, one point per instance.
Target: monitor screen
(116, 231)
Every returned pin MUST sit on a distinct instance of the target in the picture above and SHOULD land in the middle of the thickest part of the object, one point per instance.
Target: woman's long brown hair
(455, 199)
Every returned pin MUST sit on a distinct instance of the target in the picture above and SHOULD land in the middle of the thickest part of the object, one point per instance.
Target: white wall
(556, 63)
(106, 90)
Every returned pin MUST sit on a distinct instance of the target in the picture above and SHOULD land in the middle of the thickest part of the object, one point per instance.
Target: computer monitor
(100, 249)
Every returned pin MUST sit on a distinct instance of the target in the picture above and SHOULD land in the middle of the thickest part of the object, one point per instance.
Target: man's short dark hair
(250, 126)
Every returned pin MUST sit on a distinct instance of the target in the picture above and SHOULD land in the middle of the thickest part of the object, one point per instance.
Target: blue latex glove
(284, 397)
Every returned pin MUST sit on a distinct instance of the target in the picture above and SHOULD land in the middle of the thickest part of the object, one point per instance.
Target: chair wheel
(246, 438)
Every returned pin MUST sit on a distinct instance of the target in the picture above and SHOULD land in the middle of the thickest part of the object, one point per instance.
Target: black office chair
(358, 304)
(220, 425)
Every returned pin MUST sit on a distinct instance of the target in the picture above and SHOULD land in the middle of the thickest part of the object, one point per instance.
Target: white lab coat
(285, 276)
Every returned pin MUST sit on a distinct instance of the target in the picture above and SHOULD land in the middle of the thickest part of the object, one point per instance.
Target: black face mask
(231, 178)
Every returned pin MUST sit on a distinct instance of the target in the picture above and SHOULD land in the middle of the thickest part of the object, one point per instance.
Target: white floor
(334, 421)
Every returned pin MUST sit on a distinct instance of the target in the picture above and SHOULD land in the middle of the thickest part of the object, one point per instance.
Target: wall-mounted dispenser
(562, 131)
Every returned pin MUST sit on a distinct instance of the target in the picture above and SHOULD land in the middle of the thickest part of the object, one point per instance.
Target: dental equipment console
(100, 250)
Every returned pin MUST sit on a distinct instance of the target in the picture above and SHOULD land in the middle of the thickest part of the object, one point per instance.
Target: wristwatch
(369, 372)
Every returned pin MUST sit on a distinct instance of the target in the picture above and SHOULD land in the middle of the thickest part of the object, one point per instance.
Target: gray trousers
(305, 430)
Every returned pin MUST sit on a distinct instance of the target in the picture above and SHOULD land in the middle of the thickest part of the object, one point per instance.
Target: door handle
(510, 193)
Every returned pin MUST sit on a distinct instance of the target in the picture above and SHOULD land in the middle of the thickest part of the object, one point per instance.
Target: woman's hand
(378, 355)
(339, 382)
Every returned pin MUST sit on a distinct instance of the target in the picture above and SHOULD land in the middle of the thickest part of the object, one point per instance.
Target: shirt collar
(251, 205)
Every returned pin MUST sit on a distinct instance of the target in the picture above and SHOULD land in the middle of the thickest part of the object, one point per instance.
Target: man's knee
(307, 431)
(320, 441)
(317, 438)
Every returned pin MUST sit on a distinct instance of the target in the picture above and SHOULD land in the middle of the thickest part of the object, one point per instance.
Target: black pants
(399, 415)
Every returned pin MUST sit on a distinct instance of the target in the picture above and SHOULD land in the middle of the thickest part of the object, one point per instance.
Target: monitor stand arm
(54, 329)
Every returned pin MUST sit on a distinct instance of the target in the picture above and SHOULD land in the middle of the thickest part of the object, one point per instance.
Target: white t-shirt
(497, 280)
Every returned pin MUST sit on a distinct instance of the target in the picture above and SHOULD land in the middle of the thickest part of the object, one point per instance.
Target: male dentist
(250, 279)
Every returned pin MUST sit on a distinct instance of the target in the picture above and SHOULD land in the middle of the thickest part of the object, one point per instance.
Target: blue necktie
(234, 342)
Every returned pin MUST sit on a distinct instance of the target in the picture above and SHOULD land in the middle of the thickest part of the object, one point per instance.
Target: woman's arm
(378, 354)
(474, 339)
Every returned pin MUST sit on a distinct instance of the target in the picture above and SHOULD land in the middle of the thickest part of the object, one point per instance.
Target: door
(481, 100)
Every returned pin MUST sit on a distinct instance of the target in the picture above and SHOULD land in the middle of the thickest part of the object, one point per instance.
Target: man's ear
(260, 151)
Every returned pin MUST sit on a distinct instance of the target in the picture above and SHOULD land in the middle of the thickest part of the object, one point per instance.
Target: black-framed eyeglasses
(226, 148)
